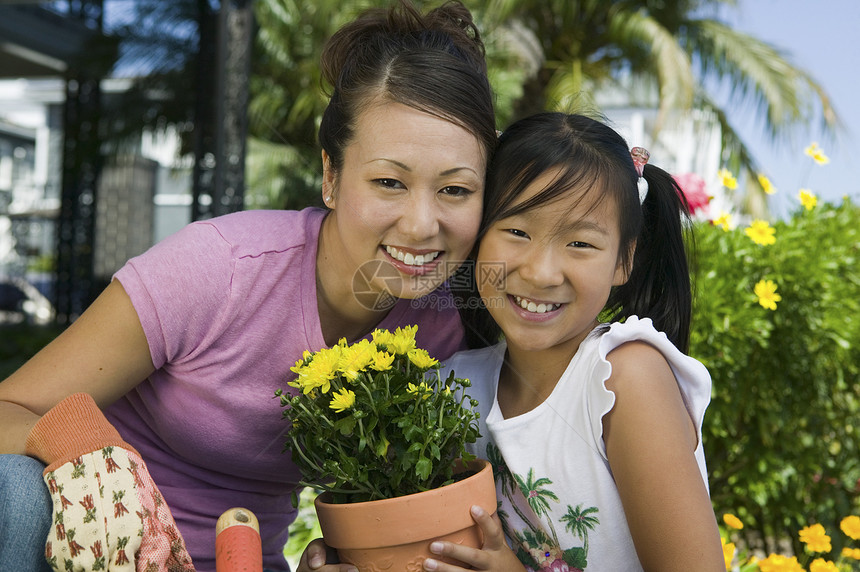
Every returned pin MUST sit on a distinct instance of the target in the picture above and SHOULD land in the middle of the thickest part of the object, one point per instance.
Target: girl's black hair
(433, 62)
(590, 155)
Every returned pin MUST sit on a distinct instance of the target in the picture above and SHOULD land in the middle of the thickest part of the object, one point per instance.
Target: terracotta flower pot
(395, 534)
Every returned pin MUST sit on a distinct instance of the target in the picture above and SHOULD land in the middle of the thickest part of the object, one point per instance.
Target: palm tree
(538, 497)
(287, 98)
(577, 47)
(580, 522)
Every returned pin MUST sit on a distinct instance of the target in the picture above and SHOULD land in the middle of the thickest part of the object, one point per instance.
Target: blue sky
(821, 38)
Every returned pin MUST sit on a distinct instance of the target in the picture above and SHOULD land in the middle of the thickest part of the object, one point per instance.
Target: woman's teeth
(541, 308)
(412, 259)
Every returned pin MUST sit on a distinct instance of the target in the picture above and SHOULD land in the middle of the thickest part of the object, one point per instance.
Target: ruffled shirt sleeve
(693, 378)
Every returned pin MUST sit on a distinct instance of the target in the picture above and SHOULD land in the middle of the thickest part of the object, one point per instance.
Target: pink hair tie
(640, 157)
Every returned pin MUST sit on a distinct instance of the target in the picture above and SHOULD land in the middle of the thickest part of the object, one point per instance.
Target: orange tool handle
(237, 542)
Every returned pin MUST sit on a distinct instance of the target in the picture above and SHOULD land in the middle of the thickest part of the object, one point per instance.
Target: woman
(184, 349)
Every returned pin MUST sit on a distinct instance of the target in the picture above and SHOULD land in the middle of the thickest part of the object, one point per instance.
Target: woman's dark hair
(591, 155)
(434, 63)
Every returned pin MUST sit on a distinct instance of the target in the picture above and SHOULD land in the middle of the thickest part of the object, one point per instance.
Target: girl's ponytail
(659, 282)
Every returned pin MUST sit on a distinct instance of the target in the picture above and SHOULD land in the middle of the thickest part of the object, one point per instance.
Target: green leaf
(423, 467)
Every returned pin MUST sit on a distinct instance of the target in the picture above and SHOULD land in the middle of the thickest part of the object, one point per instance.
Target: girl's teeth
(541, 308)
(411, 259)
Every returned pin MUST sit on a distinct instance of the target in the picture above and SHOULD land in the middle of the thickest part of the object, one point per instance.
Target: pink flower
(560, 565)
(693, 187)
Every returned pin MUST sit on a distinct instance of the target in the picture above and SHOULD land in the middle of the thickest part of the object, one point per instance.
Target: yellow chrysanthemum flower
(817, 154)
(728, 552)
(851, 553)
(766, 184)
(731, 520)
(767, 297)
(403, 340)
(399, 342)
(422, 389)
(807, 199)
(815, 538)
(850, 525)
(724, 221)
(727, 179)
(420, 358)
(761, 232)
(780, 563)
(382, 361)
(319, 372)
(342, 400)
(381, 337)
(822, 565)
(306, 355)
(356, 358)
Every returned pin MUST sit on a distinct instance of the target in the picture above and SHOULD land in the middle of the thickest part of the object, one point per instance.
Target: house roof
(38, 42)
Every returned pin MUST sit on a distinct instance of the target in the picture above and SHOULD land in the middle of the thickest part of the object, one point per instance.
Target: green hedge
(781, 433)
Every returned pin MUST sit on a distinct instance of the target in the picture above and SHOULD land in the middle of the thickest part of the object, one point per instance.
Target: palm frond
(668, 60)
(760, 74)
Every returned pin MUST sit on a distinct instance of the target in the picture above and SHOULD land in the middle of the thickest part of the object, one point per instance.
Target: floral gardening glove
(108, 513)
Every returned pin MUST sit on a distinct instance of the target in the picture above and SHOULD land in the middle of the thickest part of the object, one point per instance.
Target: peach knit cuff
(73, 427)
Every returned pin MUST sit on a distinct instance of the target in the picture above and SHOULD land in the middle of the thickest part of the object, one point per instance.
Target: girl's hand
(495, 554)
(316, 556)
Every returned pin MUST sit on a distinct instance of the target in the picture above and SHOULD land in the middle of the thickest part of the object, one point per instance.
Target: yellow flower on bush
(766, 185)
(780, 563)
(807, 199)
(851, 553)
(724, 221)
(761, 232)
(420, 358)
(817, 154)
(728, 552)
(822, 565)
(727, 179)
(342, 400)
(815, 538)
(850, 525)
(767, 298)
(731, 520)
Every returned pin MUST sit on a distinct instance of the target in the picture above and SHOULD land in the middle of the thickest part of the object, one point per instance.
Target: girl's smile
(534, 307)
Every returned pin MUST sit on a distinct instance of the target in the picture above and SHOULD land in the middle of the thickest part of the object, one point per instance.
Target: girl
(185, 348)
(591, 411)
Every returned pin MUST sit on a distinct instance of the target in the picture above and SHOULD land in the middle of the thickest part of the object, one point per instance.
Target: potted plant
(375, 429)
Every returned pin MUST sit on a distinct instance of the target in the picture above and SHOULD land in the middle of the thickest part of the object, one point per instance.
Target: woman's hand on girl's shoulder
(650, 443)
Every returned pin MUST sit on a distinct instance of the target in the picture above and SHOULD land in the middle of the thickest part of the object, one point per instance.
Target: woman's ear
(329, 181)
(624, 267)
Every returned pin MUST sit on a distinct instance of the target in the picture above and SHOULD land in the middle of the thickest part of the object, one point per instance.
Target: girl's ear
(329, 183)
(623, 269)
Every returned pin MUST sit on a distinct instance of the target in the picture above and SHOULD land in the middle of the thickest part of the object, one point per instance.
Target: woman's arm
(103, 353)
(650, 441)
